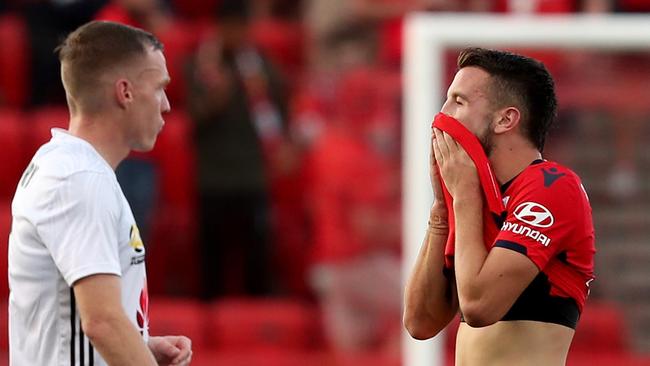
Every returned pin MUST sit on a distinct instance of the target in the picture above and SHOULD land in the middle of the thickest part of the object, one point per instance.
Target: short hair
(95, 48)
(518, 80)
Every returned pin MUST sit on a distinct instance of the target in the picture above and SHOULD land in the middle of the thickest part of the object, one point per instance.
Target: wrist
(467, 196)
(439, 208)
(438, 221)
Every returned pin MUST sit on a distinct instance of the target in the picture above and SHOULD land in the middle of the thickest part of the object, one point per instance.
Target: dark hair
(97, 46)
(520, 81)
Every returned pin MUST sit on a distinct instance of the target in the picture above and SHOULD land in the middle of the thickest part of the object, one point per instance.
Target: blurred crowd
(278, 171)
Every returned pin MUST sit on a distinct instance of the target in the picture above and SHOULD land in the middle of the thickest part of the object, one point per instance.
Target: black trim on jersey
(512, 246)
(91, 354)
(82, 347)
(73, 312)
(537, 304)
(499, 219)
(82, 338)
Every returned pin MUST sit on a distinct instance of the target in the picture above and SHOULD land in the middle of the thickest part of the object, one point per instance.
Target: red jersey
(548, 219)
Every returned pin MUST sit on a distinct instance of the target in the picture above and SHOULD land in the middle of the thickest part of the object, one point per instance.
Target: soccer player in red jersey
(520, 294)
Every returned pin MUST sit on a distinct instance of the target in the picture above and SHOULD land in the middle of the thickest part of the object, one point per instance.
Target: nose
(447, 108)
(165, 107)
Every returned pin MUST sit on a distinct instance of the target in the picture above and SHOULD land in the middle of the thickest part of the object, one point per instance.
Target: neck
(102, 135)
(509, 160)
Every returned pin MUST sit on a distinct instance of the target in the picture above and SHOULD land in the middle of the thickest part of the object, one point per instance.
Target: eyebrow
(455, 95)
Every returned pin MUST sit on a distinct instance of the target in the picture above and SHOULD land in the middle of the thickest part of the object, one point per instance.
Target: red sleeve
(541, 217)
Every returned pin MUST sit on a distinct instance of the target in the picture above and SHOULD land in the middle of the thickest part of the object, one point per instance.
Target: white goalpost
(426, 37)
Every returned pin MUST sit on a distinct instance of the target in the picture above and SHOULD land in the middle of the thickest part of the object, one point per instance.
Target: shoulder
(70, 172)
(548, 187)
(62, 160)
(547, 179)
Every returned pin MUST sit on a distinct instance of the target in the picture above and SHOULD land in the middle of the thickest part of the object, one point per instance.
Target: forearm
(429, 299)
(119, 343)
(470, 251)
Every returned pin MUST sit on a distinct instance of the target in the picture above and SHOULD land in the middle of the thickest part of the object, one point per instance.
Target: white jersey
(70, 220)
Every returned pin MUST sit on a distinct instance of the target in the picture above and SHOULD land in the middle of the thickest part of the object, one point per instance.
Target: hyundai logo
(534, 214)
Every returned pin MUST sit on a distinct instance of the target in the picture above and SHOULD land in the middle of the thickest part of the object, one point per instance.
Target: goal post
(426, 37)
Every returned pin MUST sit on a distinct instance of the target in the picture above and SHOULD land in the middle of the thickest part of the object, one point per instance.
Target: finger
(455, 147)
(184, 362)
(184, 356)
(184, 344)
(437, 155)
(452, 145)
(442, 144)
(168, 349)
(432, 156)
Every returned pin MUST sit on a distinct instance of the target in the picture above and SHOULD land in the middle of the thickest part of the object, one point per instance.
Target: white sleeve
(79, 226)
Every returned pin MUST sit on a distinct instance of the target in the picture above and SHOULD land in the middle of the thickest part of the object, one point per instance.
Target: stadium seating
(180, 42)
(5, 229)
(4, 324)
(172, 259)
(174, 153)
(288, 358)
(249, 332)
(602, 338)
(40, 122)
(4, 334)
(602, 328)
(265, 324)
(369, 358)
(595, 358)
(207, 357)
(14, 61)
(170, 316)
(14, 159)
(282, 42)
(195, 9)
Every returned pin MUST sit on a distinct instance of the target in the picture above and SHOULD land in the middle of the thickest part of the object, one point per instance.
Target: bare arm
(105, 323)
(488, 283)
(430, 301)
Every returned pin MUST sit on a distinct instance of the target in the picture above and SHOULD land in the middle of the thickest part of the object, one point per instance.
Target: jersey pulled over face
(70, 220)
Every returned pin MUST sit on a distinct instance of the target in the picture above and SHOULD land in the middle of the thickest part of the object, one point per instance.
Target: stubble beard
(486, 139)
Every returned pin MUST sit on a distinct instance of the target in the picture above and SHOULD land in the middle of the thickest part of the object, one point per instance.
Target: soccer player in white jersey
(76, 261)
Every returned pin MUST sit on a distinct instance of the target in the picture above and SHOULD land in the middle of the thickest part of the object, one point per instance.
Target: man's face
(468, 102)
(149, 101)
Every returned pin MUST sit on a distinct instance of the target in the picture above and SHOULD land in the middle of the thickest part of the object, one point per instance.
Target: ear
(507, 119)
(123, 93)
